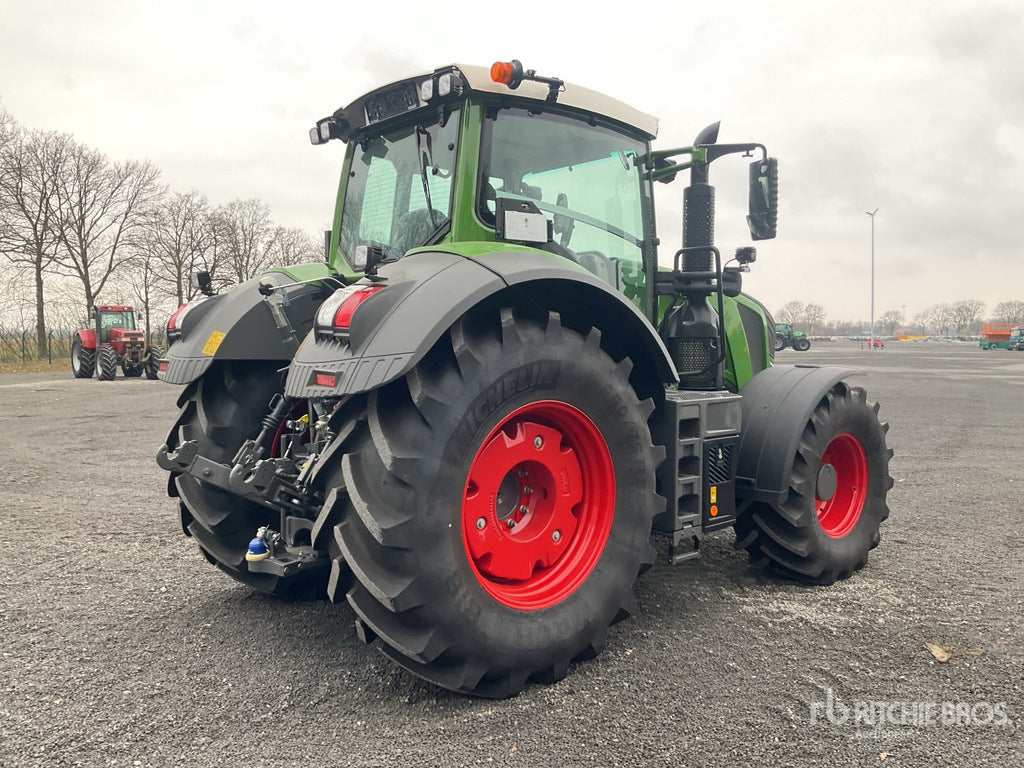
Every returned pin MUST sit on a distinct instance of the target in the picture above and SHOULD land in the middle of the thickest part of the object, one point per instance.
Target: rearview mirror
(202, 281)
(763, 211)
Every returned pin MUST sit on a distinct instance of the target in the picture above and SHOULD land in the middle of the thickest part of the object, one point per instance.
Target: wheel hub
(842, 485)
(538, 504)
(518, 482)
(826, 485)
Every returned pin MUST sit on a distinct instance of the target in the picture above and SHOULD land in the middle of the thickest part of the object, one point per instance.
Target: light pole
(871, 342)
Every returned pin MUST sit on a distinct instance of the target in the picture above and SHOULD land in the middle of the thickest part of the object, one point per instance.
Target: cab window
(583, 178)
(399, 188)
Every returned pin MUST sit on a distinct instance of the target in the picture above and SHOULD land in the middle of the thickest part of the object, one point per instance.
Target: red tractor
(113, 341)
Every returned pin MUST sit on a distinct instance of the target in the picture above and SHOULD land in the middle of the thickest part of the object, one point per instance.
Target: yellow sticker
(714, 494)
(213, 342)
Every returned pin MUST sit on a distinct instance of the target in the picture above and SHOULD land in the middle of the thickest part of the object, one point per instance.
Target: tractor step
(700, 432)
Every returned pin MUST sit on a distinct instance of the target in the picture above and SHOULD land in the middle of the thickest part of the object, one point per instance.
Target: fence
(20, 346)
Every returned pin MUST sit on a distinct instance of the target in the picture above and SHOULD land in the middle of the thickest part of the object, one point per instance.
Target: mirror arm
(715, 151)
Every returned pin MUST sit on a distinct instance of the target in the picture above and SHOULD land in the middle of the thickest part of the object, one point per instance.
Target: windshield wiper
(425, 159)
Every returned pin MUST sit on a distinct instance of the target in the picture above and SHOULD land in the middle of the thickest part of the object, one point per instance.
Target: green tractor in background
(785, 336)
(468, 422)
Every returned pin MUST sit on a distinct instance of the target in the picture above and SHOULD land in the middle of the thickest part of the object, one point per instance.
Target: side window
(582, 177)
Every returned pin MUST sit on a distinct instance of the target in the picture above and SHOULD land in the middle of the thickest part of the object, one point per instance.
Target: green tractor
(475, 419)
(785, 336)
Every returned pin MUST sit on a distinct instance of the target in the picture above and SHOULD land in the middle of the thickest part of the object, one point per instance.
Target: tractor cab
(450, 157)
(507, 160)
(112, 322)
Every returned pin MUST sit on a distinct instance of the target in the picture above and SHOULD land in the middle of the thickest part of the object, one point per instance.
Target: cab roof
(577, 96)
(451, 83)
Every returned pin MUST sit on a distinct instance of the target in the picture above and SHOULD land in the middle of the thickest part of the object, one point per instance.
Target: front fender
(88, 338)
(429, 290)
(239, 325)
(777, 402)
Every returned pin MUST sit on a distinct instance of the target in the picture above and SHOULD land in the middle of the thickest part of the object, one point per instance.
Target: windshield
(117, 320)
(399, 188)
(582, 176)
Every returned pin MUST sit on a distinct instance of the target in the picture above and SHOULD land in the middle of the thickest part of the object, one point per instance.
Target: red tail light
(343, 315)
(172, 322)
(322, 379)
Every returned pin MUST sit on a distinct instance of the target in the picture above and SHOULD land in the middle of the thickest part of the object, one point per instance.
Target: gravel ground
(121, 646)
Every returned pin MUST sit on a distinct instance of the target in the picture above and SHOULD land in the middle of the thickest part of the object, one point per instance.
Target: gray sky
(915, 108)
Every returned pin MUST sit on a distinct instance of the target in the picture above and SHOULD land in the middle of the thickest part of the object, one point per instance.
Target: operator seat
(413, 229)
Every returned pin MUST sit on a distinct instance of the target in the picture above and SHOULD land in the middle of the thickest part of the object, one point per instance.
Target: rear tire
(152, 364)
(780, 343)
(505, 414)
(221, 410)
(83, 359)
(836, 499)
(106, 363)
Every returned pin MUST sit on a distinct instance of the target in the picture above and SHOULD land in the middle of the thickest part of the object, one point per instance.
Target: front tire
(152, 364)
(507, 420)
(83, 359)
(836, 499)
(802, 344)
(106, 363)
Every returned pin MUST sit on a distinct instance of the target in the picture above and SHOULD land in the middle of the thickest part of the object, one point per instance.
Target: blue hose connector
(257, 550)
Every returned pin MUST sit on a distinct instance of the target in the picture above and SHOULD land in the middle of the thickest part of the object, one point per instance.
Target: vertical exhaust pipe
(691, 331)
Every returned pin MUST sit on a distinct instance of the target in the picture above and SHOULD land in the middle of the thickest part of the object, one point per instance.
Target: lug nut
(510, 523)
(523, 509)
(538, 441)
(480, 523)
(528, 491)
(555, 536)
(523, 473)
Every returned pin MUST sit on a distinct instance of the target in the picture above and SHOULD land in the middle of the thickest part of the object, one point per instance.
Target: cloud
(915, 109)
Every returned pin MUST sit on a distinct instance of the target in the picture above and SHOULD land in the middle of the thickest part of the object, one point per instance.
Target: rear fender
(777, 402)
(238, 325)
(429, 290)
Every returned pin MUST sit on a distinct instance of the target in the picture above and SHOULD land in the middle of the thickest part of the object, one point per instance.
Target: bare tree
(294, 246)
(892, 319)
(245, 238)
(813, 317)
(793, 312)
(12, 288)
(966, 312)
(181, 241)
(103, 206)
(139, 277)
(939, 318)
(7, 125)
(33, 165)
(1009, 312)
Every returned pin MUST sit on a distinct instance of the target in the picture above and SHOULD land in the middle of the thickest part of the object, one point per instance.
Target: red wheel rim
(538, 504)
(838, 513)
